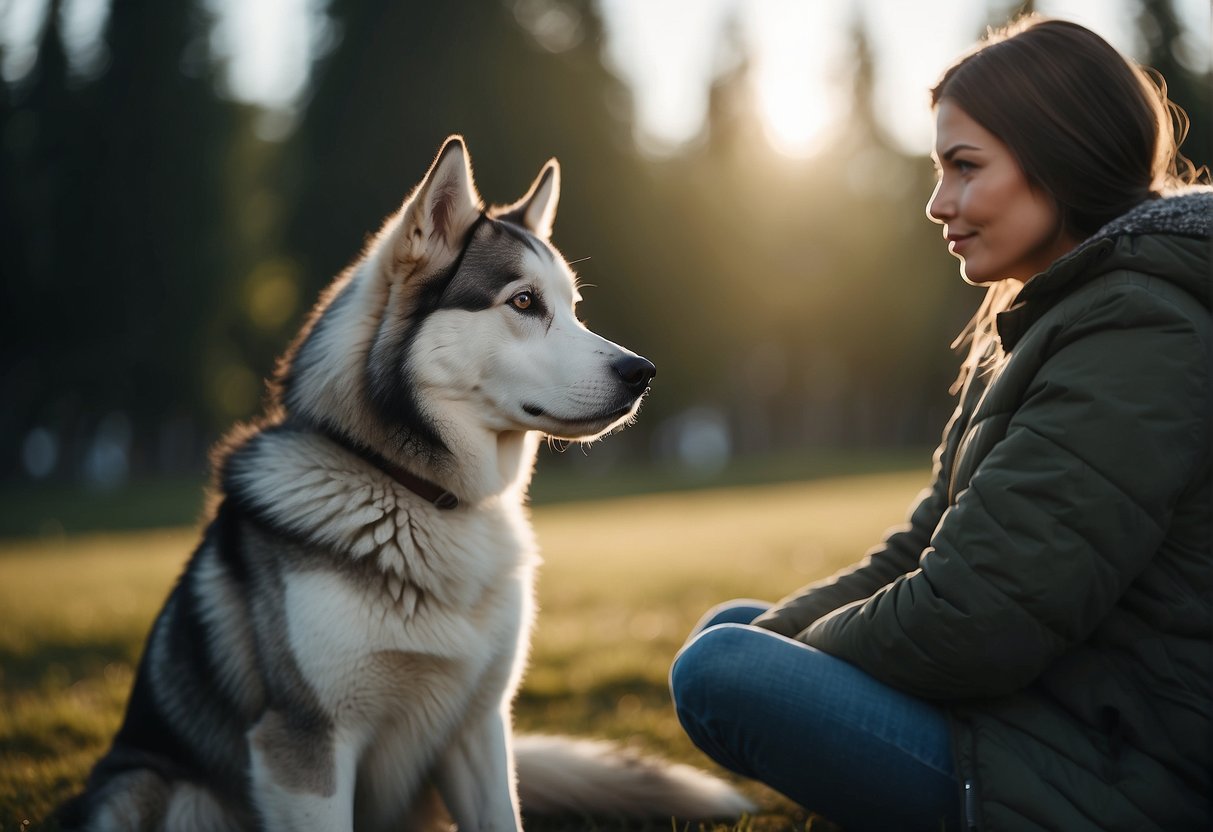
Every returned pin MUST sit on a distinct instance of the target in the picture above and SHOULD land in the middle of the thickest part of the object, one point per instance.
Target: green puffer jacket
(1054, 587)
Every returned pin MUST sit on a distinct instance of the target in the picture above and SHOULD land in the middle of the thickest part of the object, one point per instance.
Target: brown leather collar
(429, 491)
(423, 488)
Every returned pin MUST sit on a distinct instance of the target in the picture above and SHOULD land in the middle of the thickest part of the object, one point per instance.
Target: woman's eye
(522, 301)
(964, 167)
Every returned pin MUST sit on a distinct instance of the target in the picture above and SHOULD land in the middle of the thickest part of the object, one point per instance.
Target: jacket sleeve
(895, 556)
(1058, 518)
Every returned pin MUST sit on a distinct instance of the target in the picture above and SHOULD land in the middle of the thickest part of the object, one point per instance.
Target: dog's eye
(522, 301)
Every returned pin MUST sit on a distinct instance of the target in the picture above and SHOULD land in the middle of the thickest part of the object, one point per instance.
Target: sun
(794, 56)
(795, 112)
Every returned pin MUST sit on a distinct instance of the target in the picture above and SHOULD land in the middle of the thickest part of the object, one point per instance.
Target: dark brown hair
(1090, 128)
(1093, 130)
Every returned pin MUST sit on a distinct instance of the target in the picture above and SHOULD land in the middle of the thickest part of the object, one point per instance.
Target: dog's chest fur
(392, 604)
(366, 659)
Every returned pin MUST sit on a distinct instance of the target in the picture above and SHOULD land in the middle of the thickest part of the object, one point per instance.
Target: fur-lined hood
(1186, 213)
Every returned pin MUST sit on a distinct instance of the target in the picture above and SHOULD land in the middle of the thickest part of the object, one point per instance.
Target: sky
(666, 51)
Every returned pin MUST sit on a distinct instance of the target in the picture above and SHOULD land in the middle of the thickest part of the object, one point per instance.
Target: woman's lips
(958, 242)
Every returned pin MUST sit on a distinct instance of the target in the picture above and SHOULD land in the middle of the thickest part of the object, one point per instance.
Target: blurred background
(744, 183)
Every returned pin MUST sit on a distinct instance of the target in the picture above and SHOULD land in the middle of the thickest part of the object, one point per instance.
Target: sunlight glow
(795, 47)
(794, 118)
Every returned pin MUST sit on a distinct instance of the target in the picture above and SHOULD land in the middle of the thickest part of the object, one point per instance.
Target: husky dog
(343, 647)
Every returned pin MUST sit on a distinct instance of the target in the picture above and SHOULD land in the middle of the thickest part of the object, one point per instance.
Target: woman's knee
(709, 693)
(707, 671)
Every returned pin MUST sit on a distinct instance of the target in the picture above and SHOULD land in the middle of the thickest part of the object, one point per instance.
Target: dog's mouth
(586, 424)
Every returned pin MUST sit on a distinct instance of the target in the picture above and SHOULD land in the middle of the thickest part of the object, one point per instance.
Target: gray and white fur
(343, 647)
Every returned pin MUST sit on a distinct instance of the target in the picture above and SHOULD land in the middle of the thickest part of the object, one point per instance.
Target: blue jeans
(813, 727)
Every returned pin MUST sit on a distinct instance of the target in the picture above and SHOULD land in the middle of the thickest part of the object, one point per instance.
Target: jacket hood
(1187, 213)
(1170, 237)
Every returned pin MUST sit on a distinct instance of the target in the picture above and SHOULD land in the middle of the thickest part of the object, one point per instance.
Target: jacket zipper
(970, 807)
(968, 785)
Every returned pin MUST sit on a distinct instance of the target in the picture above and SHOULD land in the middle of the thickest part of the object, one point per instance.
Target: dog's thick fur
(341, 651)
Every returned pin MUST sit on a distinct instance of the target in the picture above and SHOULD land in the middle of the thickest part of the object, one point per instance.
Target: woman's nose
(941, 205)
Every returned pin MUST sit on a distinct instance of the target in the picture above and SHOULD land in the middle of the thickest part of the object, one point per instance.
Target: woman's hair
(1091, 129)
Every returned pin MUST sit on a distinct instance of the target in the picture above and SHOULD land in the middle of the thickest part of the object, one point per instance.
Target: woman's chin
(975, 275)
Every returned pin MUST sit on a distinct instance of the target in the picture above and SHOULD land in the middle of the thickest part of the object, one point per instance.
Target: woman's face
(995, 222)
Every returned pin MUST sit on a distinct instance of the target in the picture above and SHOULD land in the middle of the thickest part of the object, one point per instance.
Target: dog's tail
(563, 775)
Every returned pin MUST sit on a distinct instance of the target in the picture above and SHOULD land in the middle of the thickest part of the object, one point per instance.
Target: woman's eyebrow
(956, 148)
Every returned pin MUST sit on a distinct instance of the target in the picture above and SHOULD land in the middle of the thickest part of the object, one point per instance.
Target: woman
(1033, 650)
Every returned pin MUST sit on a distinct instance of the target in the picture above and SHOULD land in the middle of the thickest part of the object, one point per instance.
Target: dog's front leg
(302, 778)
(476, 777)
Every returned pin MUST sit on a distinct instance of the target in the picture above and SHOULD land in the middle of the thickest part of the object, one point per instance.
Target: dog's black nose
(636, 372)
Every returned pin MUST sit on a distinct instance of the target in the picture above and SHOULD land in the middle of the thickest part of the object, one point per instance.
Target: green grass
(623, 581)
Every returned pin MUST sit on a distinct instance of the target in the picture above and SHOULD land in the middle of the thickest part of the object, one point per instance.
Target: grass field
(623, 581)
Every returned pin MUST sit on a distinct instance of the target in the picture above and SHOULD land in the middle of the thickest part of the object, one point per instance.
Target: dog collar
(429, 491)
(423, 488)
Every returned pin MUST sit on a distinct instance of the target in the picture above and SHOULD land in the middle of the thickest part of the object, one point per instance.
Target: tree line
(158, 250)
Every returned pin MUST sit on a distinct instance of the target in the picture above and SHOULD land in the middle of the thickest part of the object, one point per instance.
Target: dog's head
(460, 319)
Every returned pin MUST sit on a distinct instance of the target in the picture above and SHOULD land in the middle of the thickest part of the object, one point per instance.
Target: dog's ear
(441, 210)
(536, 211)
